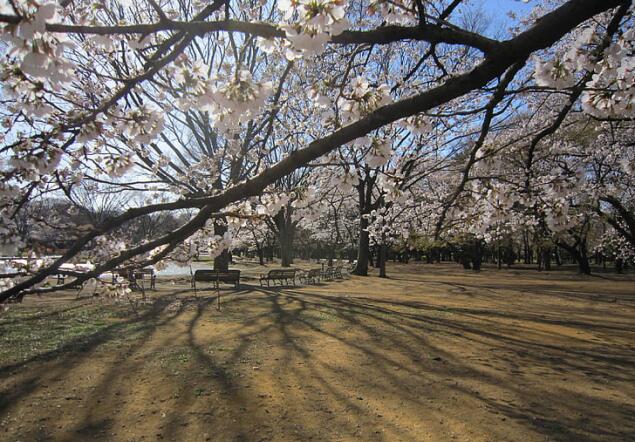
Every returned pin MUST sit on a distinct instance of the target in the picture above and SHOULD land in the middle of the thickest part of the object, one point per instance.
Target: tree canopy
(358, 123)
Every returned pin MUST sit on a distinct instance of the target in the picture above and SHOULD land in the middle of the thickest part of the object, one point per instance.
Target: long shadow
(394, 342)
(61, 360)
(543, 352)
(627, 361)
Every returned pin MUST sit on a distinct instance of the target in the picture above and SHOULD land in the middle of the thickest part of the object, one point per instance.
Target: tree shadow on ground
(298, 363)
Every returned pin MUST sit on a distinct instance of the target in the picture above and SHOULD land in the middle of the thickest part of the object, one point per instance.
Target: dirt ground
(434, 353)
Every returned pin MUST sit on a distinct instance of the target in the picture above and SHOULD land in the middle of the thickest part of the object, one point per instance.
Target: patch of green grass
(198, 392)
(174, 358)
(26, 332)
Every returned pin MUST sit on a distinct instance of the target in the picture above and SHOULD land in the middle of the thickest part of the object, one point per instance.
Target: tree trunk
(583, 264)
(221, 262)
(579, 254)
(363, 249)
(465, 260)
(383, 249)
(261, 255)
(286, 249)
(499, 258)
(619, 265)
(547, 258)
(527, 248)
(477, 256)
(286, 235)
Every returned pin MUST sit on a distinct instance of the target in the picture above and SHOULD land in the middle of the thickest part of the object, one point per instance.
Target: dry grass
(433, 353)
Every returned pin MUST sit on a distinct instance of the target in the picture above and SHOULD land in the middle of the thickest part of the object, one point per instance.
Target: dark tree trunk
(619, 265)
(527, 248)
(510, 255)
(499, 258)
(383, 249)
(583, 264)
(286, 249)
(363, 249)
(221, 262)
(579, 254)
(465, 260)
(261, 255)
(477, 256)
(546, 258)
(286, 235)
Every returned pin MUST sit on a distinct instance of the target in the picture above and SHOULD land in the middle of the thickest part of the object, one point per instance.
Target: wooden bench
(312, 276)
(330, 273)
(137, 278)
(216, 276)
(327, 274)
(278, 275)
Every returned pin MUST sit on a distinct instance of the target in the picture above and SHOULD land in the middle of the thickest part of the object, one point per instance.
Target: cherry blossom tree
(89, 90)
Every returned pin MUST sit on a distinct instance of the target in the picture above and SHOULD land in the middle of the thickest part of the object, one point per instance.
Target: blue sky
(501, 7)
(497, 11)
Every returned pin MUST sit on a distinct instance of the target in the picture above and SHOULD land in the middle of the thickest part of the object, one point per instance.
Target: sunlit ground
(433, 353)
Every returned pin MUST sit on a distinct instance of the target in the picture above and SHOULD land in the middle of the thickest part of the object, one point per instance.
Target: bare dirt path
(433, 353)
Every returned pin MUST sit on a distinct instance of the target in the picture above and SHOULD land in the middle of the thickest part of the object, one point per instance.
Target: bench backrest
(141, 273)
(284, 273)
(214, 275)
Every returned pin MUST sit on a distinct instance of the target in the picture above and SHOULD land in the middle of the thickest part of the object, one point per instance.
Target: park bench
(138, 277)
(312, 276)
(216, 276)
(330, 273)
(281, 275)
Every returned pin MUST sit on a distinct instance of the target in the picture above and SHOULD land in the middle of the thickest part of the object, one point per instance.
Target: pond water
(183, 270)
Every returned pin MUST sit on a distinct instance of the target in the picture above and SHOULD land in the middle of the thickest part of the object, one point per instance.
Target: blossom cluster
(309, 25)
(394, 12)
(362, 99)
(230, 99)
(35, 52)
(611, 90)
